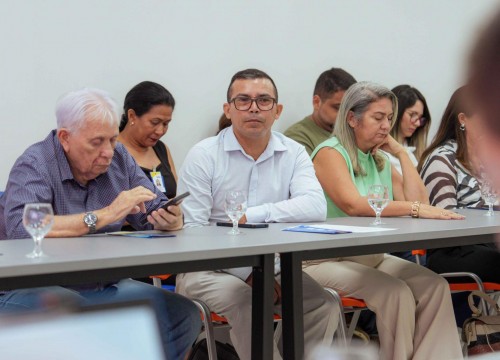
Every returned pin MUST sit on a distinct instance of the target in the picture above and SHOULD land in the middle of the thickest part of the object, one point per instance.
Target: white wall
(193, 47)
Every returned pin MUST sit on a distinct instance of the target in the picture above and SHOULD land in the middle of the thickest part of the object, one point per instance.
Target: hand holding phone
(174, 201)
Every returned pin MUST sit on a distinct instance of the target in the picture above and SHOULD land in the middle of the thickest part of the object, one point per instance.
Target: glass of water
(235, 206)
(488, 193)
(378, 199)
(37, 220)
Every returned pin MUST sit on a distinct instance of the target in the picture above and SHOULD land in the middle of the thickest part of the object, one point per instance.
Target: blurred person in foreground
(484, 81)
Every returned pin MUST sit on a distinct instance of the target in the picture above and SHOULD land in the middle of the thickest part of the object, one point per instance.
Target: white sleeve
(195, 176)
(306, 203)
(394, 161)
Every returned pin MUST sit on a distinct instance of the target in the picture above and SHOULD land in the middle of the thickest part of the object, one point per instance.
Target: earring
(462, 126)
(132, 123)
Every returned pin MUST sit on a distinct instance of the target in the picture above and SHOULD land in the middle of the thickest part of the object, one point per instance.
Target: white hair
(76, 107)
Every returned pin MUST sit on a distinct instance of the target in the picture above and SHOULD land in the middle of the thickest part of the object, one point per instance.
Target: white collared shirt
(281, 184)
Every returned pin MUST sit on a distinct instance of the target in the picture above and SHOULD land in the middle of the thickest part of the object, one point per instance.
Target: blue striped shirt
(42, 174)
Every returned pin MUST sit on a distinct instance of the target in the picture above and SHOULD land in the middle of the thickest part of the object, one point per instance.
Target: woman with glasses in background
(412, 124)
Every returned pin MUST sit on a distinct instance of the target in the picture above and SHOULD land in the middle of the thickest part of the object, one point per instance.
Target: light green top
(362, 183)
(307, 133)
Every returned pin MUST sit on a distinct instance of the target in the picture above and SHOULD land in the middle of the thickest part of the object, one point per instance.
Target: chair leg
(278, 331)
(474, 278)
(465, 353)
(157, 282)
(209, 328)
(352, 325)
(342, 327)
(210, 333)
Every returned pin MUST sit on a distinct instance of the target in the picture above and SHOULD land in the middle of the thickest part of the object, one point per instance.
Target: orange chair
(346, 305)
(211, 320)
(475, 284)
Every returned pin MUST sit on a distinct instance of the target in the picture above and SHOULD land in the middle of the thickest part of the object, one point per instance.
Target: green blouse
(362, 183)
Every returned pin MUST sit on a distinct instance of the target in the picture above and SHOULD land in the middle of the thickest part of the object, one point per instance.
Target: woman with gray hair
(413, 305)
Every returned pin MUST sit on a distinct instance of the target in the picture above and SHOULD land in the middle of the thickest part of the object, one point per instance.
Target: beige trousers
(231, 297)
(415, 317)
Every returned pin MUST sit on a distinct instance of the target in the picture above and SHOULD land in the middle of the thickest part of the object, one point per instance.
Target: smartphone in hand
(174, 201)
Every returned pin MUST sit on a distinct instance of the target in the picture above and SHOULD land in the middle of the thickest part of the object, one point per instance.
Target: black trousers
(482, 260)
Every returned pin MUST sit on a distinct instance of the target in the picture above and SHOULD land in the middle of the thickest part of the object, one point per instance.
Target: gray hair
(357, 99)
(76, 107)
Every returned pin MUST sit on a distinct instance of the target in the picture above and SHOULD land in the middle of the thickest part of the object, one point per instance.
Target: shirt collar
(232, 144)
(62, 161)
(362, 156)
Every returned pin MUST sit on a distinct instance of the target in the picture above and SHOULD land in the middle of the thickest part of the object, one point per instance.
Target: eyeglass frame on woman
(252, 100)
(414, 118)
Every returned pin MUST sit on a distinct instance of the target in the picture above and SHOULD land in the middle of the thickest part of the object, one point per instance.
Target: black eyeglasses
(244, 103)
(414, 118)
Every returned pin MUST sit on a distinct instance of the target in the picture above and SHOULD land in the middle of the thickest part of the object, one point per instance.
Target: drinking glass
(37, 220)
(378, 198)
(488, 193)
(235, 205)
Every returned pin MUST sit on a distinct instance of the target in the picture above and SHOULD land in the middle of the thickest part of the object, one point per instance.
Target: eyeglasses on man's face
(414, 118)
(244, 103)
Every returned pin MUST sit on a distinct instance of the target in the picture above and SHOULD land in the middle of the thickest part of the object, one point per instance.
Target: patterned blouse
(449, 184)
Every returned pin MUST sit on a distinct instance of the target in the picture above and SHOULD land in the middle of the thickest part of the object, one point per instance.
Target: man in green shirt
(328, 93)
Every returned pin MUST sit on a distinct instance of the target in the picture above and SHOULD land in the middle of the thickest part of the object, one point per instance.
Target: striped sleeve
(440, 179)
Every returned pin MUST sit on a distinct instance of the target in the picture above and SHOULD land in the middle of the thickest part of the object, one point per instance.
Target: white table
(410, 234)
(102, 258)
(79, 260)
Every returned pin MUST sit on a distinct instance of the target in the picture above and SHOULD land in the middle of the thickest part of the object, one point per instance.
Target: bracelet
(415, 209)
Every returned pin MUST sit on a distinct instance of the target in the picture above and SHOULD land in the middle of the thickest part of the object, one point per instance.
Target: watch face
(90, 219)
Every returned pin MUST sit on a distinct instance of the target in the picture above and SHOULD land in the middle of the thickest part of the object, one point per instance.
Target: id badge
(158, 180)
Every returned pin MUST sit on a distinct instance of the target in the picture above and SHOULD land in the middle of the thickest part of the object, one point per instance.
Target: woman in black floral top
(447, 169)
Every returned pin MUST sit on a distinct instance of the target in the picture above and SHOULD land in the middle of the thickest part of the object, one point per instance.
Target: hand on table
(432, 212)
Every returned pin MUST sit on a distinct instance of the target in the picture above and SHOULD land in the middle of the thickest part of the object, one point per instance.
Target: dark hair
(484, 74)
(250, 74)
(331, 81)
(449, 128)
(407, 97)
(142, 97)
(224, 122)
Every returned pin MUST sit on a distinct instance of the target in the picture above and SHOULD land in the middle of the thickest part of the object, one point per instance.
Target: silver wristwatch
(90, 219)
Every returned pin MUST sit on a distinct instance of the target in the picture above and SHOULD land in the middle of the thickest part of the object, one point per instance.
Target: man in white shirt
(281, 186)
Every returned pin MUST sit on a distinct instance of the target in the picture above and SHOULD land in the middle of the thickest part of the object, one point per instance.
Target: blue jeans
(179, 318)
